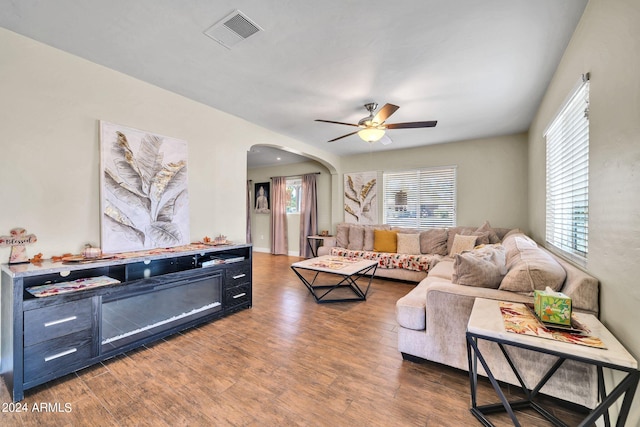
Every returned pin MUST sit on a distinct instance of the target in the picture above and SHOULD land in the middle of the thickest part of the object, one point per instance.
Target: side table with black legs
(315, 242)
(486, 323)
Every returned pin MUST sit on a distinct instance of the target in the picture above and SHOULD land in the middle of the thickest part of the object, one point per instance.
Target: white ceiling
(263, 156)
(478, 67)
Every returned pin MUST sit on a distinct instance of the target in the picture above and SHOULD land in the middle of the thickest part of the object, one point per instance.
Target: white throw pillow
(462, 243)
(409, 244)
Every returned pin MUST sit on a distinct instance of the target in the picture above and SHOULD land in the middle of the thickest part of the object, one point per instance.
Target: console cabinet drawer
(237, 295)
(48, 357)
(238, 273)
(47, 323)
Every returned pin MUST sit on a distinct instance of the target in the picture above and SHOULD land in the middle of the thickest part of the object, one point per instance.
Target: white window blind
(567, 203)
(422, 198)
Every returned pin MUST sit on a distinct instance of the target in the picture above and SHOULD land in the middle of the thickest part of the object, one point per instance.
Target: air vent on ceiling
(233, 29)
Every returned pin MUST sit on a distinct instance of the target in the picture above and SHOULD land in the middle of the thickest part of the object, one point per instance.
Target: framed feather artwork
(360, 198)
(144, 201)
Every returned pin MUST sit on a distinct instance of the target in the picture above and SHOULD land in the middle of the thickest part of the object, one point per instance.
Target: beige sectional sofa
(507, 266)
(417, 251)
(433, 316)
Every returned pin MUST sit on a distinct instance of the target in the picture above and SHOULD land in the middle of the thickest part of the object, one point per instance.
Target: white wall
(605, 44)
(491, 176)
(491, 183)
(50, 106)
(261, 223)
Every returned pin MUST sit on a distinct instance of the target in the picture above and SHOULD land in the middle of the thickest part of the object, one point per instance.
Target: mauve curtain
(248, 238)
(279, 245)
(308, 213)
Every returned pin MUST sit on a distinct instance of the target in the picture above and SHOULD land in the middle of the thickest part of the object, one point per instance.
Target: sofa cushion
(524, 242)
(434, 241)
(368, 238)
(514, 243)
(369, 235)
(533, 269)
(501, 232)
(408, 244)
(486, 229)
(443, 269)
(342, 235)
(482, 237)
(511, 232)
(385, 241)
(356, 237)
(483, 267)
(451, 234)
(462, 243)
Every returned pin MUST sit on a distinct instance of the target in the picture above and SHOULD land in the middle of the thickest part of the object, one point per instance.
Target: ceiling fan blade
(412, 125)
(337, 123)
(384, 113)
(385, 140)
(343, 136)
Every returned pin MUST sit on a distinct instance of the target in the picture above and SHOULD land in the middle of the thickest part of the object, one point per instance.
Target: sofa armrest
(581, 287)
(477, 292)
(329, 242)
(445, 300)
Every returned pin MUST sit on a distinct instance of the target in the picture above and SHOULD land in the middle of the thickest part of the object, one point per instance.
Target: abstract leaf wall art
(360, 198)
(144, 191)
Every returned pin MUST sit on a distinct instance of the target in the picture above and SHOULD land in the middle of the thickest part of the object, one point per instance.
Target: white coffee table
(344, 271)
(486, 323)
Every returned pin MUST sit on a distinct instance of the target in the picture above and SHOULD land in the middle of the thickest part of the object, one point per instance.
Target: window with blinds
(422, 198)
(567, 202)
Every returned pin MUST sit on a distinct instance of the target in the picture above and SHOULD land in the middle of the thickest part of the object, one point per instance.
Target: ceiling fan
(373, 127)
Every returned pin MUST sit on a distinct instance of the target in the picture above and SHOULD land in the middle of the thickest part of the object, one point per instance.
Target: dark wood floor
(285, 362)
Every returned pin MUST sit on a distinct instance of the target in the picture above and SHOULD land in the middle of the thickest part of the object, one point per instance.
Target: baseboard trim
(268, 251)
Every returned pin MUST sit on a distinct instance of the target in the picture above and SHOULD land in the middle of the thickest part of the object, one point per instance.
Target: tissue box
(552, 307)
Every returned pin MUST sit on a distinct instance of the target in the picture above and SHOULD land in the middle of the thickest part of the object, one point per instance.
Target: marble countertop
(47, 266)
(335, 265)
(486, 320)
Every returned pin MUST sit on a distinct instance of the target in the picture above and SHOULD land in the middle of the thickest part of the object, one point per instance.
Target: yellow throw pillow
(385, 241)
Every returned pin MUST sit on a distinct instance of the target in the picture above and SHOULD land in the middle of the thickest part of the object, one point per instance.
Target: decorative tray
(219, 243)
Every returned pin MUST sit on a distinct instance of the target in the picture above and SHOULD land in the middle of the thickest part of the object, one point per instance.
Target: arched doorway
(266, 161)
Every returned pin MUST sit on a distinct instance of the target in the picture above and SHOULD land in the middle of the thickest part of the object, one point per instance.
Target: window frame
(567, 176)
(294, 181)
(397, 188)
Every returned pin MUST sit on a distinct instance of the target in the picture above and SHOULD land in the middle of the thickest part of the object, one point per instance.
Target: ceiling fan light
(371, 134)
